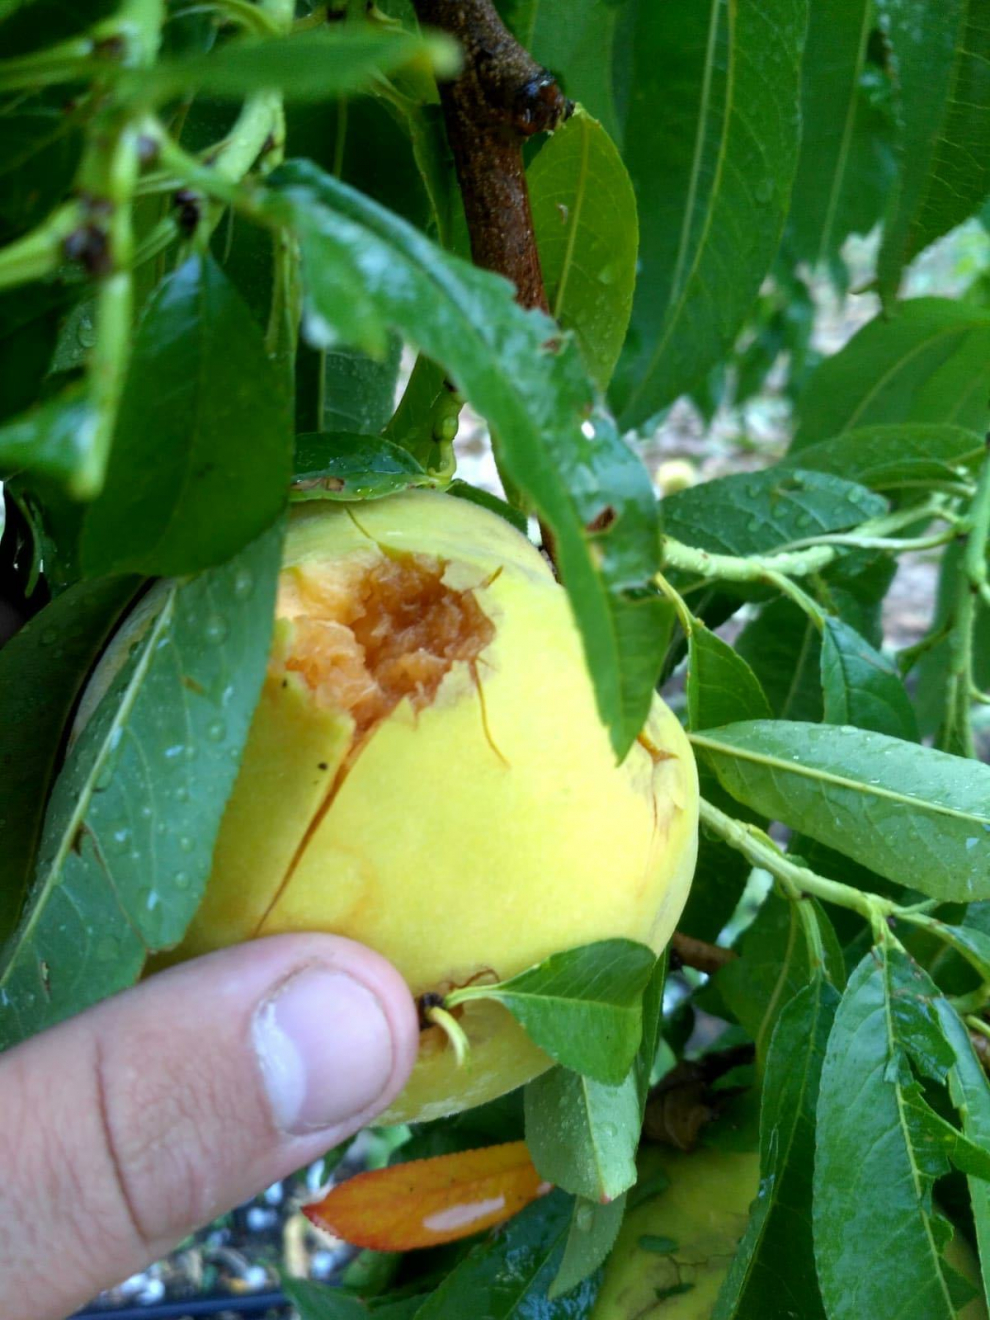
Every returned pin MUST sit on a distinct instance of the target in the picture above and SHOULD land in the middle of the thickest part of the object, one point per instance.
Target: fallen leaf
(427, 1202)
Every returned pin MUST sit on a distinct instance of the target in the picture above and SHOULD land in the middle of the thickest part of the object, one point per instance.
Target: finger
(129, 1126)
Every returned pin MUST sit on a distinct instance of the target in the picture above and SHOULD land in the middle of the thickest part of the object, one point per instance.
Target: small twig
(500, 98)
(686, 951)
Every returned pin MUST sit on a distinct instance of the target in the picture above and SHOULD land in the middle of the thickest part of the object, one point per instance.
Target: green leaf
(584, 215)
(575, 42)
(584, 1007)
(775, 965)
(933, 671)
(592, 1235)
(206, 468)
(509, 1275)
(711, 142)
(971, 942)
(359, 391)
(462, 490)
(642, 1068)
(427, 417)
(895, 456)
(42, 669)
(846, 163)
(309, 66)
(874, 1169)
(939, 54)
(912, 814)
(752, 513)
(129, 833)
(50, 440)
(366, 271)
(29, 327)
(862, 686)
(783, 648)
(319, 1301)
(773, 1271)
(721, 687)
(582, 1134)
(719, 880)
(40, 148)
(971, 1096)
(352, 467)
(929, 363)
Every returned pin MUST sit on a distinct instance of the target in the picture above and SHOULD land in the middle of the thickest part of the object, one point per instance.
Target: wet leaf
(877, 1159)
(775, 965)
(928, 364)
(594, 1228)
(912, 814)
(584, 215)
(337, 466)
(970, 1094)
(939, 56)
(754, 513)
(711, 142)
(206, 469)
(308, 66)
(128, 837)
(509, 1276)
(846, 165)
(42, 670)
(895, 456)
(861, 686)
(582, 1134)
(772, 1272)
(721, 687)
(584, 1007)
(423, 1203)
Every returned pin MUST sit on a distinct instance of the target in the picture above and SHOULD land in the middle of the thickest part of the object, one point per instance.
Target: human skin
(129, 1126)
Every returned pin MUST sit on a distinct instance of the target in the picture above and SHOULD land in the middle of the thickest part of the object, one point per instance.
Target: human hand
(127, 1127)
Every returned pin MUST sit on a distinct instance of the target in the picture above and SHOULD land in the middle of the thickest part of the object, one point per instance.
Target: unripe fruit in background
(702, 1212)
(427, 773)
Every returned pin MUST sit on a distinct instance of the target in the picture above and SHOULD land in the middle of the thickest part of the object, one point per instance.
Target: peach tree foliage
(220, 226)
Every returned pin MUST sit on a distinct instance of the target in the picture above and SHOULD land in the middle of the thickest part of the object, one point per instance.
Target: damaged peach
(427, 773)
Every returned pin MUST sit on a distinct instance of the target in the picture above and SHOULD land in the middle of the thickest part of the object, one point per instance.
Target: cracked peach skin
(427, 773)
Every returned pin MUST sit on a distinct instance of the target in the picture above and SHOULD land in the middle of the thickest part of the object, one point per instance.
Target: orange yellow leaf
(427, 1202)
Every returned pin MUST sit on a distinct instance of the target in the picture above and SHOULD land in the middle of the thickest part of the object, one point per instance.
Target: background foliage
(220, 225)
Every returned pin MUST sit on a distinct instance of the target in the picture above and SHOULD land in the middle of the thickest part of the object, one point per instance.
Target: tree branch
(500, 98)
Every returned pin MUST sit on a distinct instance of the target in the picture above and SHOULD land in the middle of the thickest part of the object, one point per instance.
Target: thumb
(150, 1114)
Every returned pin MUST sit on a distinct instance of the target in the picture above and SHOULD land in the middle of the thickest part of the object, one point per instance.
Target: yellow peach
(427, 773)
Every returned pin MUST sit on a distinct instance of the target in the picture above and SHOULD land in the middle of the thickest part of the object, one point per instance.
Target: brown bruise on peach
(365, 636)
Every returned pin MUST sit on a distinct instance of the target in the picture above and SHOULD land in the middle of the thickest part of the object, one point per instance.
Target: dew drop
(181, 794)
(107, 947)
(216, 629)
(216, 731)
(185, 844)
(181, 879)
(86, 332)
(243, 584)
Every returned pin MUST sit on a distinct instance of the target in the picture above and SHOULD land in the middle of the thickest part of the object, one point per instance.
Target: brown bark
(686, 951)
(500, 98)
